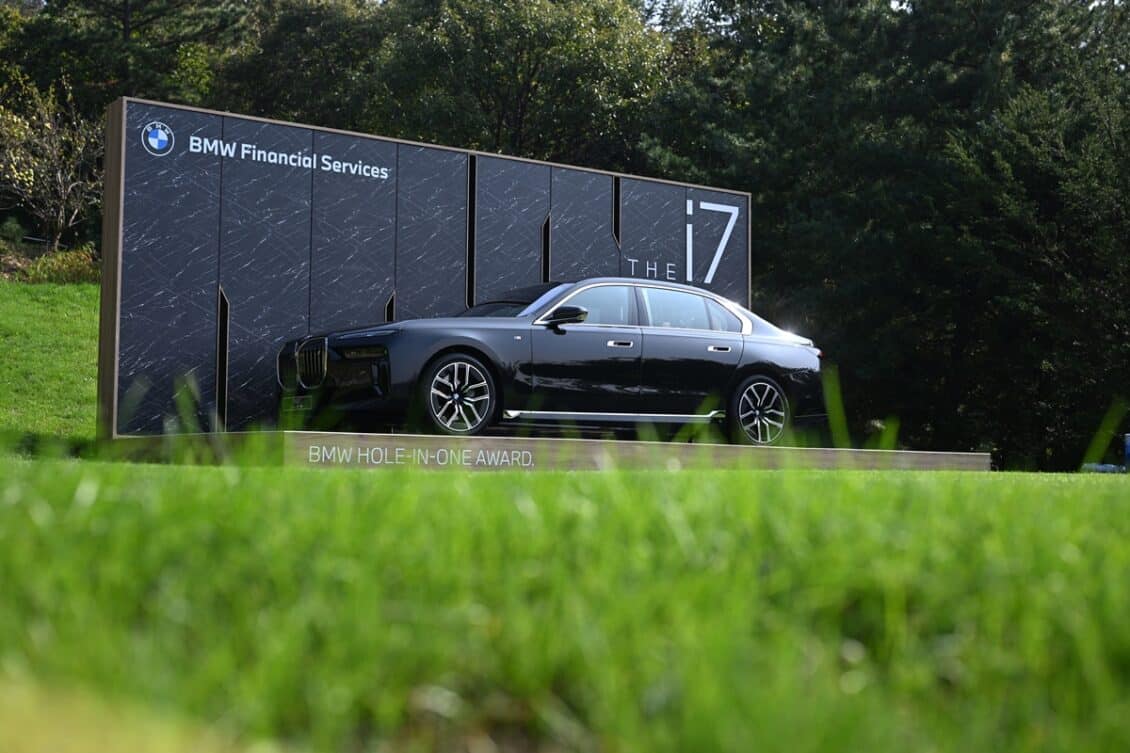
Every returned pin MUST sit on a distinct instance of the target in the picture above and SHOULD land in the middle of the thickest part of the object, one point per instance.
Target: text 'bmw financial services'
(251, 152)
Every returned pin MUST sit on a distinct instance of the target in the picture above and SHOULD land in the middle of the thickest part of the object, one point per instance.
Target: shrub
(11, 232)
(76, 265)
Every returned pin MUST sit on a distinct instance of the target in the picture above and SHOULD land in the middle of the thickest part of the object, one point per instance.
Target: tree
(936, 198)
(565, 80)
(562, 80)
(308, 62)
(162, 49)
(11, 21)
(49, 156)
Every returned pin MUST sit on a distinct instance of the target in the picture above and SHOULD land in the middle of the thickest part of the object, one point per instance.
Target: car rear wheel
(759, 412)
(459, 395)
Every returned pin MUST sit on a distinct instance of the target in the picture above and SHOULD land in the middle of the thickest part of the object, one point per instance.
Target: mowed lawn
(622, 611)
(49, 366)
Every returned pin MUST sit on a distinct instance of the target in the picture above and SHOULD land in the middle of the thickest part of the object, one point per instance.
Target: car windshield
(496, 308)
(516, 302)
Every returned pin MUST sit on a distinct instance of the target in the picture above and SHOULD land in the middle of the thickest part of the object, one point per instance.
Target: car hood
(448, 323)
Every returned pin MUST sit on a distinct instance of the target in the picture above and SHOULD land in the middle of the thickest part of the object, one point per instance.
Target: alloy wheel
(762, 412)
(459, 397)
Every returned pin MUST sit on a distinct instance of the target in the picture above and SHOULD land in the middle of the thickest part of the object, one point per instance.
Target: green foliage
(621, 611)
(11, 231)
(49, 155)
(161, 49)
(308, 62)
(10, 22)
(79, 265)
(193, 74)
(47, 387)
(934, 201)
(546, 79)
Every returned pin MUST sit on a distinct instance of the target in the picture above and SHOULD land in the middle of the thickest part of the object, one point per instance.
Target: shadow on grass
(240, 448)
(33, 445)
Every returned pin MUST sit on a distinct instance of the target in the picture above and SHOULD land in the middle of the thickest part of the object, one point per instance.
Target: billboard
(225, 235)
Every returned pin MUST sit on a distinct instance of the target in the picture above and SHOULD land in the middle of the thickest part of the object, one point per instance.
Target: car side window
(607, 304)
(674, 308)
(722, 320)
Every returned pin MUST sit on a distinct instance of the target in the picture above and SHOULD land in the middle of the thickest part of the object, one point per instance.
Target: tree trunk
(127, 32)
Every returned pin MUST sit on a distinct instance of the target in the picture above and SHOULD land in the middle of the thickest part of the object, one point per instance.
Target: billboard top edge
(475, 152)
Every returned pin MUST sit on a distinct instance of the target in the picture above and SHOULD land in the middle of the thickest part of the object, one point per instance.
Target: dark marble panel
(353, 248)
(652, 230)
(511, 207)
(724, 270)
(431, 233)
(582, 242)
(264, 261)
(167, 326)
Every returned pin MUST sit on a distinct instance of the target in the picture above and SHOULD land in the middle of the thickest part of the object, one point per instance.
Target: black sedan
(603, 351)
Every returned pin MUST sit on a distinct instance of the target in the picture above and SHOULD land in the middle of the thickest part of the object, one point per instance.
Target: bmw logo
(157, 138)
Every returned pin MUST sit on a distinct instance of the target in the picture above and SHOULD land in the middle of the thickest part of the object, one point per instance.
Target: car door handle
(620, 343)
(718, 348)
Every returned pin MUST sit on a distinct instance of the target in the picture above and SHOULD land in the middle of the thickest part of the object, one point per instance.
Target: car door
(691, 347)
(593, 366)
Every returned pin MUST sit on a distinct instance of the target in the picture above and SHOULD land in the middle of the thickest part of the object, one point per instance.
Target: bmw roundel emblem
(157, 138)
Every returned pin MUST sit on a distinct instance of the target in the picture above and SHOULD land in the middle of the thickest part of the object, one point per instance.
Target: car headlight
(365, 351)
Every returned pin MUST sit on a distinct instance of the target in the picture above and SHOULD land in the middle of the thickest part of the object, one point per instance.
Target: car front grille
(286, 370)
(311, 359)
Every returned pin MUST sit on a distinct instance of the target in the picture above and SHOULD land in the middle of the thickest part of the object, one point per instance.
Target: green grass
(693, 611)
(49, 338)
(690, 611)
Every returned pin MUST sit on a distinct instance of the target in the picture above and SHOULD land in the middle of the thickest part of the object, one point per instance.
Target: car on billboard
(599, 352)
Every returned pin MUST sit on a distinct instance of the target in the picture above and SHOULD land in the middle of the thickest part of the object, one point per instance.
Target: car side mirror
(565, 315)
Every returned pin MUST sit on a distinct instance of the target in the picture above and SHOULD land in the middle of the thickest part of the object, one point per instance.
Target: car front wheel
(459, 395)
(759, 412)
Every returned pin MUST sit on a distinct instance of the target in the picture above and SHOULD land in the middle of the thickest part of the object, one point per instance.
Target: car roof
(644, 281)
(531, 293)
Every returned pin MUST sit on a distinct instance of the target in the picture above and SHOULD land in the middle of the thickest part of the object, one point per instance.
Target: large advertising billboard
(226, 235)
